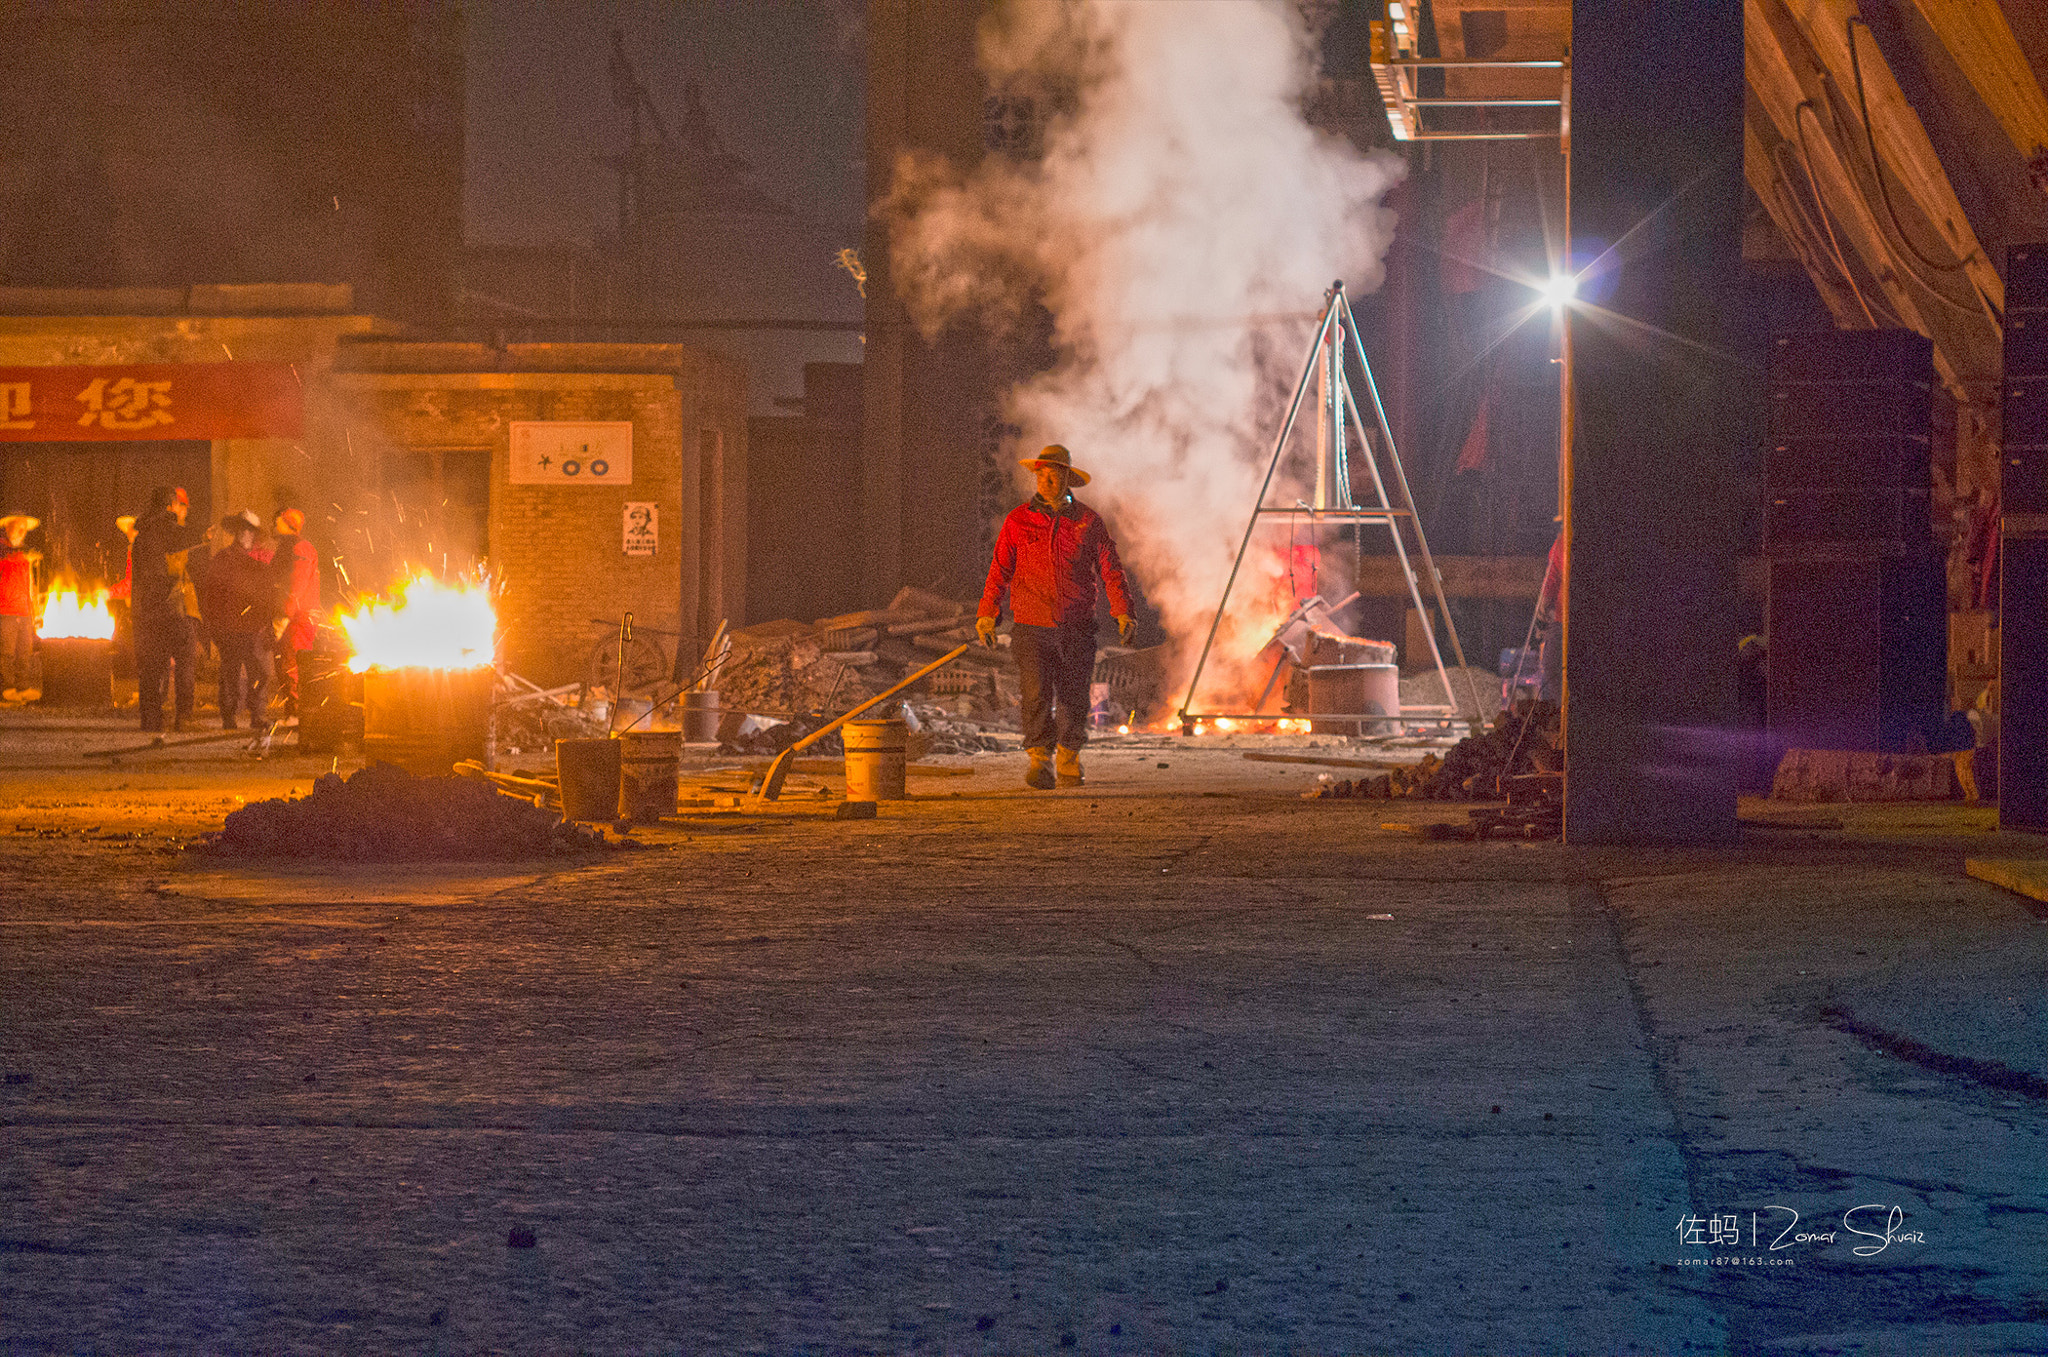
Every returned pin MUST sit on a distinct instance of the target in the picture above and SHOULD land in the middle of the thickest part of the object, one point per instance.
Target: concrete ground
(1178, 1062)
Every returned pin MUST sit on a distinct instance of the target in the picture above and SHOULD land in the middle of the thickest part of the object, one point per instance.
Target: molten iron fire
(427, 624)
(71, 614)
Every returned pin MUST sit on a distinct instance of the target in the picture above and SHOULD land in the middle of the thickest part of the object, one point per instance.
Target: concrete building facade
(399, 453)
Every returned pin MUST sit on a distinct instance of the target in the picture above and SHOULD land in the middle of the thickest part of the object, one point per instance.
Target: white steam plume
(1180, 201)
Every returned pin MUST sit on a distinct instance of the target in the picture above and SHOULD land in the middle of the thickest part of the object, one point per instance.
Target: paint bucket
(875, 759)
(1340, 694)
(650, 761)
(700, 716)
(587, 771)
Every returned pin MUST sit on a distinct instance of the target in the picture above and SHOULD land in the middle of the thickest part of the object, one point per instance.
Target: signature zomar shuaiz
(1048, 558)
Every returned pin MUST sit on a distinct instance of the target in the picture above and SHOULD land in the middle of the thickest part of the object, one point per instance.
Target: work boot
(1069, 765)
(1039, 778)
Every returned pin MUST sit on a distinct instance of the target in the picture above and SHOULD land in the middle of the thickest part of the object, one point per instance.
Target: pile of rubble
(798, 671)
(385, 814)
(1482, 767)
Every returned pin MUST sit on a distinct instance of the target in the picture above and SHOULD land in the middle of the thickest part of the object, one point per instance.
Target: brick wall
(557, 552)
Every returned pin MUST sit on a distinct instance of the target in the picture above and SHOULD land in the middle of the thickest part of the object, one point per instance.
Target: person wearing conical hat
(17, 608)
(1048, 559)
(295, 573)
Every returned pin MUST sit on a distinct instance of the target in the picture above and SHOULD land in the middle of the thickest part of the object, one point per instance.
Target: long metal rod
(1407, 567)
(1408, 498)
(1279, 445)
(1485, 103)
(1441, 62)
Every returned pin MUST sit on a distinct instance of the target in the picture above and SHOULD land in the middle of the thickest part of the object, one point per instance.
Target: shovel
(771, 781)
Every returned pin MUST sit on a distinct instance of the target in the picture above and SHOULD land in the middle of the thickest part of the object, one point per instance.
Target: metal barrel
(330, 703)
(426, 720)
(700, 716)
(77, 672)
(649, 764)
(1354, 699)
(875, 759)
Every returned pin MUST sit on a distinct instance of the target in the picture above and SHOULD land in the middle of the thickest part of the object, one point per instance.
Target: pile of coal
(385, 814)
(1525, 740)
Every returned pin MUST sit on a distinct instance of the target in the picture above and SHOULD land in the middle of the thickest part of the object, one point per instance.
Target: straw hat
(1053, 454)
(29, 522)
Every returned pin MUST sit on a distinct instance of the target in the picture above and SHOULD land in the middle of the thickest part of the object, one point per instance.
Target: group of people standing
(256, 602)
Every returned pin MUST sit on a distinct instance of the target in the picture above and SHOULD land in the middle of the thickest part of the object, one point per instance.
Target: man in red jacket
(17, 608)
(1047, 559)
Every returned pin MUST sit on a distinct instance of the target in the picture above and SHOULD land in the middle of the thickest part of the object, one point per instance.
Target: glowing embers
(72, 615)
(428, 624)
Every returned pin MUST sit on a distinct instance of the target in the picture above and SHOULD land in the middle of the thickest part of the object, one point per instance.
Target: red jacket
(1048, 562)
(17, 583)
(295, 567)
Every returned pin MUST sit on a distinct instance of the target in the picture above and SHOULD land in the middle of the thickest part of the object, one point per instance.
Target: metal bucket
(1340, 691)
(875, 759)
(649, 764)
(77, 672)
(700, 716)
(426, 720)
(587, 771)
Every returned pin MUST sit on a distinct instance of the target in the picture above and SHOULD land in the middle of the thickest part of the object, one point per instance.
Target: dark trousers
(1055, 666)
(244, 675)
(17, 641)
(166, 652)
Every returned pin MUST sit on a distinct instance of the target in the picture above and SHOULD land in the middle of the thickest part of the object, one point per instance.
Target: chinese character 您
(125, 404)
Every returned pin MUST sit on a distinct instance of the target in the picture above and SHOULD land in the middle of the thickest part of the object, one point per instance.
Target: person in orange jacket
(295, 574)
(17, 608)
(1048, 558)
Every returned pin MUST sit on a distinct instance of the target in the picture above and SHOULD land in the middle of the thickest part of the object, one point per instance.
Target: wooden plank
(1901, 138)
(2023, 876)
(1783, 74)
(1982, 42)
(1510, 577)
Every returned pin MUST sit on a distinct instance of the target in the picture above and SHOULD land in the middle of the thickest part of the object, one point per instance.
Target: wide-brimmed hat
(242, 518)
(29, 522)
(1053, 454)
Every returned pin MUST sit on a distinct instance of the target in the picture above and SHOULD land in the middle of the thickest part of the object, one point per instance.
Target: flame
(427, 625)
(69, 614)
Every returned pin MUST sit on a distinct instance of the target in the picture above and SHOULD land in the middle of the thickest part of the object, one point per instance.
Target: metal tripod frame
(1335, 343)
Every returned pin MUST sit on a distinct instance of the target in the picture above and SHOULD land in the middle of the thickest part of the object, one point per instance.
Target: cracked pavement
(1140, 1068)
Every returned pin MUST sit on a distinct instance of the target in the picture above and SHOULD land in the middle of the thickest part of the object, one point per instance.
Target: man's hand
(1126, 628)
(985, 627)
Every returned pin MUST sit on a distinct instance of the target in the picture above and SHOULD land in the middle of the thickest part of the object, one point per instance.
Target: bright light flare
(427, 625)
(1559, 290)
(69, 614)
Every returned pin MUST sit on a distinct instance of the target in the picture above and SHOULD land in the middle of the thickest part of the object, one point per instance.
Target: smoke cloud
(1181, 228)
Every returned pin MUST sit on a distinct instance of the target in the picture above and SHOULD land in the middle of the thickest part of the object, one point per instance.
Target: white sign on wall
(566, 452)
(642, 523)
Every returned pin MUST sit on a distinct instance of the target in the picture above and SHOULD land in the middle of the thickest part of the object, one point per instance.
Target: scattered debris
(1853, 775)
(385, 814)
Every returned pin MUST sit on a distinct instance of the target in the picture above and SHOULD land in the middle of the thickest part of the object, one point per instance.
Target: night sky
(784, 82)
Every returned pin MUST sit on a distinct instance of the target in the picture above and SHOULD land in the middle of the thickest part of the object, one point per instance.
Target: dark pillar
(1656, 184)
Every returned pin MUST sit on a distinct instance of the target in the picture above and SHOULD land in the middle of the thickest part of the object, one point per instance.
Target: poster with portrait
(642, 522)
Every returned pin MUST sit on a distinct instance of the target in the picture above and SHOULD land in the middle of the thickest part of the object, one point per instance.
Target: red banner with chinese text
(150, 400)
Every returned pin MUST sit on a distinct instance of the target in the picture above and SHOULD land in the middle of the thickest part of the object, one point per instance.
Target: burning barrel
(77, 651)
(425, 660)
(1354, 686)
(426, 720)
